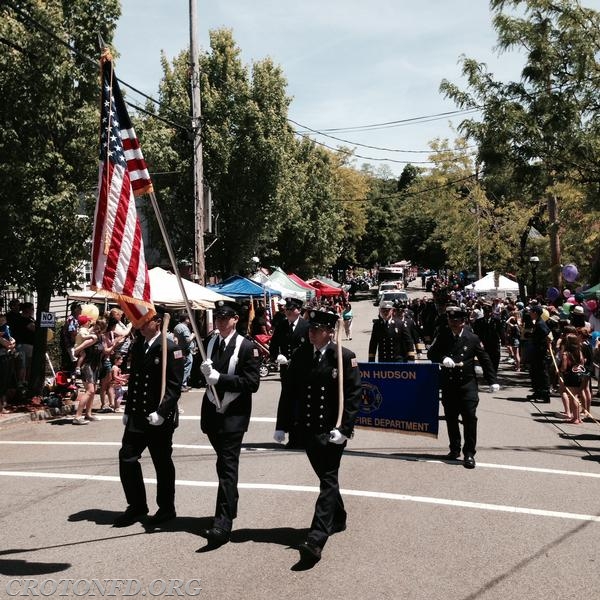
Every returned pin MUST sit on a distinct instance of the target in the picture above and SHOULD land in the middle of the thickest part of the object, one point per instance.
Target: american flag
(118, 263)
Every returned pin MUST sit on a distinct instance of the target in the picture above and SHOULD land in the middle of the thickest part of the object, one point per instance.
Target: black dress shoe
(309, 552)
(453, 454)
(129, 517)
(338, 527)
(216, 536)
(469, 462)
(160, 516)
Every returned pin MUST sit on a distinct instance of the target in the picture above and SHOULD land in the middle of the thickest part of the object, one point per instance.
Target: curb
(41, 414)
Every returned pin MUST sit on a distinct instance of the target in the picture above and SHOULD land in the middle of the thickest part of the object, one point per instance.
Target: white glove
(155, 419)
(448, 362)
(337, 437)
(279, 436)
(125, 418)
(281, 360)
(478, 370)
(212, 377)
(206, 367)
(494, 388)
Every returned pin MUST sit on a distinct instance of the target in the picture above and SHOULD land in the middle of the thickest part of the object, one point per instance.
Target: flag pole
(186, 301)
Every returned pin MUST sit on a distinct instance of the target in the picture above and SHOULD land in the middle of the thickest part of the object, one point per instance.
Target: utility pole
(199, 268)
(553, 226)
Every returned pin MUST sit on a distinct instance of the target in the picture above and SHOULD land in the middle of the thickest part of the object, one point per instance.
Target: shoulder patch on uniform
(177, 354)
(354, 362)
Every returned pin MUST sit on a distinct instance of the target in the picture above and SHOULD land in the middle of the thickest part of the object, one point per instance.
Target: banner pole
(188, 308)
(340, 368)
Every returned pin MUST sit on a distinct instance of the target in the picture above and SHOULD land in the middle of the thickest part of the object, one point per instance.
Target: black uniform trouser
(159, 441)
(228, 447)
(461, 402)
(538, 370)
(494, 354)
(329, 508)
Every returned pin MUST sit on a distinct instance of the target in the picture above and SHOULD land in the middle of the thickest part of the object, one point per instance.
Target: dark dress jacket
(390, 342)
(143, 392)
(309, 403)
(244, 380)
(462, 349)
(284, 342)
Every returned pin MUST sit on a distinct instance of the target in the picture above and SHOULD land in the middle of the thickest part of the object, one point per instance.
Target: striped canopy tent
(325, 289)
(330, 282)
(280, 282)
(590, 293)
(303, 283)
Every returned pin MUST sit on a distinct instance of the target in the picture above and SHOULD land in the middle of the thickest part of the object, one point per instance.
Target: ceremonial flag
(118, 262)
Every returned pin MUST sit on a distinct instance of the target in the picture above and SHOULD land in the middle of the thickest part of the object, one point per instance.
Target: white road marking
(118, 444)
(119, 416)
(313, 489)
(407, 457)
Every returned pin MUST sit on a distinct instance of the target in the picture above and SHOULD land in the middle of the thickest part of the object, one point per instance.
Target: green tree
(542, 131)
(48, 144)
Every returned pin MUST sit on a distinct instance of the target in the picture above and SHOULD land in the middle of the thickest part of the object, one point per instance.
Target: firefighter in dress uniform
(390, 337)
(232, 367)
(455, 348)
(149, 423)
(288, 335)
(312, 391)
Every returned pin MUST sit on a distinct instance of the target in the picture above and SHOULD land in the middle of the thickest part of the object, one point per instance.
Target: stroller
(266, 366)
(60, 389)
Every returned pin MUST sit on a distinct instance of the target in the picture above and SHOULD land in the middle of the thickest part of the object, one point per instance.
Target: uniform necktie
(146, 346)
(221, 348)
(317, 357)
(291, 328)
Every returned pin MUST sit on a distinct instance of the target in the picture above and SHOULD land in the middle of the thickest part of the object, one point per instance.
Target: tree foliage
(539, 135)
(48, 141)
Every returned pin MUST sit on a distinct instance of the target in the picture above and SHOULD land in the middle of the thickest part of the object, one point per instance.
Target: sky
(348, 63)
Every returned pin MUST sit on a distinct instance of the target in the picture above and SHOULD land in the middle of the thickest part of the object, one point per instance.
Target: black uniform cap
(293, 303)
(226, 308)
(322, 319)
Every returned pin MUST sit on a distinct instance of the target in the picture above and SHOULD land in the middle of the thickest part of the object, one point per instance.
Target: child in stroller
(262, 343)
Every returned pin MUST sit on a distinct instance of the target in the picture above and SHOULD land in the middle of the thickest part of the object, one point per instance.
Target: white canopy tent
(277, 287)
(165, 291)
(489, 285)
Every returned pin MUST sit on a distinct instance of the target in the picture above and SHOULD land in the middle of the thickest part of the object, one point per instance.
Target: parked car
(397, 297)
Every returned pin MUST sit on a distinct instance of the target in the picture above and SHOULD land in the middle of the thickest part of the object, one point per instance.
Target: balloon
(572, 300)
(552, 294)
(566, 308)
(545, 314)
(566, 293)
(570, 273)
(91, 311)
(592, 305)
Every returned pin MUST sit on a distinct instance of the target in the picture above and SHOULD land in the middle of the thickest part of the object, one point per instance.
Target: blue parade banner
(401, 397)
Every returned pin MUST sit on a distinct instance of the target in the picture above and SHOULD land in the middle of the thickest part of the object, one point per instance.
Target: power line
(402, 122)
(55, 37)
(349, 153)
(366, 145)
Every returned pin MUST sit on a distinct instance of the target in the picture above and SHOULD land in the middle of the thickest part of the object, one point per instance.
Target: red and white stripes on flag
(118, 263)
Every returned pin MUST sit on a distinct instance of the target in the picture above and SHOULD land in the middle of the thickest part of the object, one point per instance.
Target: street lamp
(534, 261)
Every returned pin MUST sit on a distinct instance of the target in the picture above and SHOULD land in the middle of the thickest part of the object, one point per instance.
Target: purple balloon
(552, 293)
(570, 273)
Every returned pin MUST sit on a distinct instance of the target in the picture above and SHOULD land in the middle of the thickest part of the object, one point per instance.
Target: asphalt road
(524, 524)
